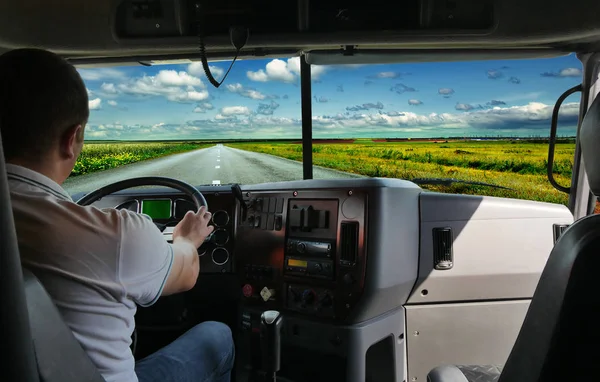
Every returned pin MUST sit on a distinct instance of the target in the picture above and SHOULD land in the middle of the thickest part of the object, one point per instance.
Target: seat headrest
(589, 138)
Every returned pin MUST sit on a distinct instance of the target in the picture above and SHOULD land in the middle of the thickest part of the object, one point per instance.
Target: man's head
(43, 111)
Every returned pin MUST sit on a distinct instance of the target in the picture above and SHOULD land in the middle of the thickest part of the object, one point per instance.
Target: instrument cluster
(166, 211)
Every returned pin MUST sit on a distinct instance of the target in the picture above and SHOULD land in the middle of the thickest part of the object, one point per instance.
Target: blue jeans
(204, 353)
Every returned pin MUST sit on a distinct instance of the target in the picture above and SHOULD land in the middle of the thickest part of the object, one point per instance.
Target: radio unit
(309, 248)
(309, 267)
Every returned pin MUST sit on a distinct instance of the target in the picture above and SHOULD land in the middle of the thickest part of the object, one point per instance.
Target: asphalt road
(213, 165)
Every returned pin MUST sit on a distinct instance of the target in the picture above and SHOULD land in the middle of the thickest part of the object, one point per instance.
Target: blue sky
(261, 99)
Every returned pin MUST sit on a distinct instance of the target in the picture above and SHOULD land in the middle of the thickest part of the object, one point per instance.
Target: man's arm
(188, 235)
(150, 267)
(185, 268)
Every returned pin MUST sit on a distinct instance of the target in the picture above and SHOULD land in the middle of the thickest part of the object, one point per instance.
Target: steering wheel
(186, 188)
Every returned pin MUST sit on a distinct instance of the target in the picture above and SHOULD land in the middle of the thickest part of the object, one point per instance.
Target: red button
(247, 290)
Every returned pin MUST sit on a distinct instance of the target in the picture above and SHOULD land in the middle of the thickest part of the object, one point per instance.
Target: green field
(102, 156)
(519, 165)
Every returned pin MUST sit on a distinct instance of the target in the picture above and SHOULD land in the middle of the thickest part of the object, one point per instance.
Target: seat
(58, 353)
(558, 340)
(36, 344)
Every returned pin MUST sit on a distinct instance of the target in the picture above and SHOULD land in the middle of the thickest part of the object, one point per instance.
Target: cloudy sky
(261, 99)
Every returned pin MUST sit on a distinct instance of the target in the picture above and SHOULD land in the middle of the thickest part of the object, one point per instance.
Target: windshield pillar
(306, 99)
(581, 200)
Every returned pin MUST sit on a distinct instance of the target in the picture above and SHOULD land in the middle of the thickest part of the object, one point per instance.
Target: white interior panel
(500, 247)
(461, 334)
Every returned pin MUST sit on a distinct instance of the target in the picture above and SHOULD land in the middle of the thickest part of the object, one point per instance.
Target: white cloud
(95, 104)
(534, 114)
(254, 94)
(196, 69)
(284, 71)
(258, 76)
(188, 96)
(386, 75)
(173, 78)
(203, 107)
(566, 72)
(112, 103)
(279, 70)
(108, 88)
(245, 92)
(235, 110)
(101, 74)
(174, 86)
(98, 134)
(570, 72)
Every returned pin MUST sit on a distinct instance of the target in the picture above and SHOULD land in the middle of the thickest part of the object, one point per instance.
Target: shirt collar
(35, 179)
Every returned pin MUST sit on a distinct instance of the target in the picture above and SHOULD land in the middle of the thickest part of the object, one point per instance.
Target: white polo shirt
(96, 264)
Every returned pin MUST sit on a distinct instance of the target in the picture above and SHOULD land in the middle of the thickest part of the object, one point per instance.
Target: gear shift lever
(270, 343)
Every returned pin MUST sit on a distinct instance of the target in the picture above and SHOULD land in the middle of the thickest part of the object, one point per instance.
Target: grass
(102, 156)
(518, 165)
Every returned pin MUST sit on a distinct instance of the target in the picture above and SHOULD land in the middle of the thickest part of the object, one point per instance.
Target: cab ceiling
(333, 31)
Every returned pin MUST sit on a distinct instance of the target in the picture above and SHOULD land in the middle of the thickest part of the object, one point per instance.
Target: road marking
(217, 166)
(218, 160)
(216, 182)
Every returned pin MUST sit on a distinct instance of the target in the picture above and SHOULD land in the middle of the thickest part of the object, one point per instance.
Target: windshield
(480, 122)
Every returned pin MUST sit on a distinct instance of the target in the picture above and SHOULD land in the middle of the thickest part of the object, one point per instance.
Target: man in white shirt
(96, 264)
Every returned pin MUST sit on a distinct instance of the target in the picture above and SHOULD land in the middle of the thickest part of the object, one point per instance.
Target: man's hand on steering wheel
(194, 227)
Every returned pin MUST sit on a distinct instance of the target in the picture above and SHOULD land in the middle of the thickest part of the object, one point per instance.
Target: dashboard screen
(297, 263)
(157, 209)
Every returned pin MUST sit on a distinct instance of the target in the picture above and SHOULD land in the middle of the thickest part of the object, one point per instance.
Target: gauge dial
(221, 237)
(182, 206)
(220, 256)
(131, 205)
(220, 218)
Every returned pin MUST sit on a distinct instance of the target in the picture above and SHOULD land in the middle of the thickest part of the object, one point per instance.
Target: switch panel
(316, 301)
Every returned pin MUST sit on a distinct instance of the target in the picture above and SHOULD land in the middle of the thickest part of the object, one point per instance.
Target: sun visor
(389, 56)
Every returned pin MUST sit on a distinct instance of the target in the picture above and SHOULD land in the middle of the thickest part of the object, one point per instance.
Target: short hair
(42, 96)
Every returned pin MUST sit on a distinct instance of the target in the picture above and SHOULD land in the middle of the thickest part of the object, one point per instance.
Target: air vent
(349, 243)
(559, 229)
(442, 248)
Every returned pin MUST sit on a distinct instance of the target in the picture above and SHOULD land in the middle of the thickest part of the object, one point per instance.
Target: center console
(308, 252)
(302, 253)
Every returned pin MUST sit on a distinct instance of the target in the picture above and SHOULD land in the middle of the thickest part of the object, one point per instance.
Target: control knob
(308, 296)
(294, 294)
(326, 300)
(301, 247)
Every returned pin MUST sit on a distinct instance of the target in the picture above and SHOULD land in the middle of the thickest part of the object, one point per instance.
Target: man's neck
(52, 172)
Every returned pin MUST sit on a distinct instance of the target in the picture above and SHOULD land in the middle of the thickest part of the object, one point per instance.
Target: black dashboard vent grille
(349, 242)
(443, 257)
(559, 229)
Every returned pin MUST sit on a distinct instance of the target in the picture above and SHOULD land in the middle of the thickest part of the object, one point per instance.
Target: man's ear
(70, 142)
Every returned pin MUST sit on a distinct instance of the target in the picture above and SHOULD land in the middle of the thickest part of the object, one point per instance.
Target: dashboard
(349, 249)
(351, 262)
